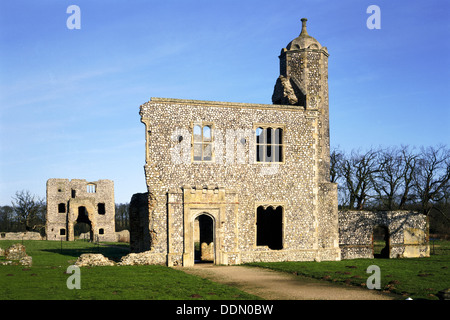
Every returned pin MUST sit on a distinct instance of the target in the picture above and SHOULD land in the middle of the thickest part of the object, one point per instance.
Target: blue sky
(69, 99)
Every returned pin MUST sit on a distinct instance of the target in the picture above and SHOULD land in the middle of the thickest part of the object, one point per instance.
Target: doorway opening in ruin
(380, 242)
(269, 227)
(203, 239)
(83, 225)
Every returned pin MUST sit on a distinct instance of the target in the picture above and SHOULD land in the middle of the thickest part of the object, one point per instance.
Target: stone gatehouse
(78, 201)
(253, 177)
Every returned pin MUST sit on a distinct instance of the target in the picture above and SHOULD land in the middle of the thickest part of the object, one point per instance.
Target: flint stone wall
(20, 236)
(408, 233)
(73, 194)
(232, 190)
(140, 240)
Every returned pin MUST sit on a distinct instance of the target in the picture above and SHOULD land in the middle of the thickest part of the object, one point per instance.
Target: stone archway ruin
(82, 222)
(381, 242)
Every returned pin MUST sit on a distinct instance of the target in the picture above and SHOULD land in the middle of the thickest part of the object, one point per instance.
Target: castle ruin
(234, 183)
(78, 201)
(254, 177)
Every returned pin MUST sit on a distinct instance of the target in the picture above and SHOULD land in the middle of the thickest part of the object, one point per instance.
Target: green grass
(47, 278)
(418, 278)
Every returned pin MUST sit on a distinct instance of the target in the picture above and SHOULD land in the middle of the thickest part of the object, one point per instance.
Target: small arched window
(203, 142)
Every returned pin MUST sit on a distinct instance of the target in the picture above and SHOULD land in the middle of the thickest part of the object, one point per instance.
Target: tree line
(27, 212)
(393, 178)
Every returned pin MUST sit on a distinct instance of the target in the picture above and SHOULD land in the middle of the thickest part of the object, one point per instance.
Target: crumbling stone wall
(28, 235)
(139, 223)
(408, 233)
(294, 184)
(82, 201)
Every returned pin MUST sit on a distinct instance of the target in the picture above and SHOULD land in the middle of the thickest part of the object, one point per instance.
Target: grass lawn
(418, 278)
(46, 279)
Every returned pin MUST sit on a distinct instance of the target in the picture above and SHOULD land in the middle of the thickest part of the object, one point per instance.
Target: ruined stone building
(256, 174)
(244, 182)
(77, 201)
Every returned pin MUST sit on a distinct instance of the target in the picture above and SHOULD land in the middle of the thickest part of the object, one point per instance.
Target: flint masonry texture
(243, 197)
(233, 185)
(77, 200)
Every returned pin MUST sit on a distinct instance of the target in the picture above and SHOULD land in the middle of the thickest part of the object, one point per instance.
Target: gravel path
(273, 285)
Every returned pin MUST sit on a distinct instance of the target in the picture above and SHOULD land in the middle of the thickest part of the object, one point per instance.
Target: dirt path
(272, 285)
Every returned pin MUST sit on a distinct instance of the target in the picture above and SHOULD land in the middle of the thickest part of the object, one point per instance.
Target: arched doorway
(83, 225)
(380, 242)
(204, 239)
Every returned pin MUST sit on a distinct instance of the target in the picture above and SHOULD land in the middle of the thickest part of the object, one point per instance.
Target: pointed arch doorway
(204, 251)
(200, 229)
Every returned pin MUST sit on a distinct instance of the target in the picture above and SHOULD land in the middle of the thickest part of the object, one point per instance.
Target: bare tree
(409, 160)
(431, 177)
(357, 172)
(122, 216)
(29, 209)
(6, 218)
(388, 176)
(393, 179)
(336, 158)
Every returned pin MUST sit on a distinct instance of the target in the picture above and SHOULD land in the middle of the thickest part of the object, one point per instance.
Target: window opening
(203, 143)
(269, 227)
(91, 188)
(62, 208)
(269, 144)
(101, 208)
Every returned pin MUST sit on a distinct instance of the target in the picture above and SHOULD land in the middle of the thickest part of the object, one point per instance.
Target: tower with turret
(303, 82)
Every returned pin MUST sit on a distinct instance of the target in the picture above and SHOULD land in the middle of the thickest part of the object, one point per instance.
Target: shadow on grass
(114, 253)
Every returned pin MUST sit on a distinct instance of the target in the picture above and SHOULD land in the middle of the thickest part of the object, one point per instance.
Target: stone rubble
(16, 255)
(132, 259)
(93, 260)
(142, 258)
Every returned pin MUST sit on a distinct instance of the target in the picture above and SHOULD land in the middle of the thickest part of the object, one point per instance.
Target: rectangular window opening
(203, 143)
(101, 208)
(91, 188)
(269, 144)
(62, 208)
